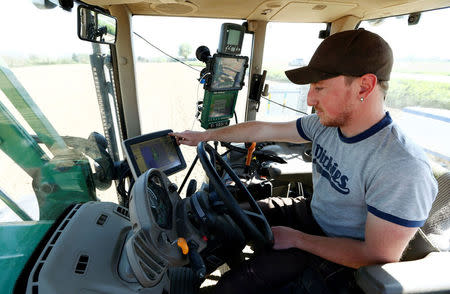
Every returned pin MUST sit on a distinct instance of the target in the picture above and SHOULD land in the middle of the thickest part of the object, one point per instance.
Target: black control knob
(172, 188)
(192, 187)
(197, 263)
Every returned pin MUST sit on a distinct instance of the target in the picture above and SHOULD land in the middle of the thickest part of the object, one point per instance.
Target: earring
(362, 99)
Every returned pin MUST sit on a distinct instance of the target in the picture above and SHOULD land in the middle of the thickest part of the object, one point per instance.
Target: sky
(206, 32)
(20, 34)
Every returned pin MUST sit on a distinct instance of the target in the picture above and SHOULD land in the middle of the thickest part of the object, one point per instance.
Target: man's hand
(284, 237)
(190, 138)
(384, 242)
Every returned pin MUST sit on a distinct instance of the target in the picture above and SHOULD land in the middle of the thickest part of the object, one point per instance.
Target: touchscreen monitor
(154, 150)
(222, 105)
(228, 73)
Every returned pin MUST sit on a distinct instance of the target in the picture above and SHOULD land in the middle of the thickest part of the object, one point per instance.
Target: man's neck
(363, 119)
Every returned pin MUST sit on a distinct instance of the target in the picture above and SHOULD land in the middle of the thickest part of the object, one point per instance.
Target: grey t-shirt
(378, 171)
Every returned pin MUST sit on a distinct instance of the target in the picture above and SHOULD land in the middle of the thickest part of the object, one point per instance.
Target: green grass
(276, 74)
(405, 92)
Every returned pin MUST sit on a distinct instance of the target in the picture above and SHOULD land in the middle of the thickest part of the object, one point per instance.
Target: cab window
(287, 46)
(418, 98)
(168, 72)
(41, 50)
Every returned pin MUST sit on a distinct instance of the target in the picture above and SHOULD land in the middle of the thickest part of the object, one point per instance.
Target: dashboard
(153, 245)
(99, 245)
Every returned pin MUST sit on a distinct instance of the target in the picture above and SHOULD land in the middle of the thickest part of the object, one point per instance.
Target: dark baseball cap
(350, 53)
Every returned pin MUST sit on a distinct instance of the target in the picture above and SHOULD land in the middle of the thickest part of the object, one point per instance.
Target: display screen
(157, 153)
(156, 150)
(228, 73)
(221, 106)
(234, 37)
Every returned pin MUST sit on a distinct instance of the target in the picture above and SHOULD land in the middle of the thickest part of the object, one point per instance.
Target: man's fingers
(185, 138)
(179, 139)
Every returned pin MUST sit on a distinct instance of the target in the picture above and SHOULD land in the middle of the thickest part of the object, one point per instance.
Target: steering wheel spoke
(257, 216)
(262, 234)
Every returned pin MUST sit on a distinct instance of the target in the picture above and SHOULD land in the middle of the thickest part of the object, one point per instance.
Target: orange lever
(250, 151)
(181, 242)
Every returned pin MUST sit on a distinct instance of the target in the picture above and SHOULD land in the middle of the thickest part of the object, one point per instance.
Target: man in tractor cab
(373, 187)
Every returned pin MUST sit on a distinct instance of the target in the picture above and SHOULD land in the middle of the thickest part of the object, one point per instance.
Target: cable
(124, 194)
(197, 113)
(201, 78)
(176, 59)
(290, 108)
(200, 83)
(188, 174)
(193, 123)
(198, 99)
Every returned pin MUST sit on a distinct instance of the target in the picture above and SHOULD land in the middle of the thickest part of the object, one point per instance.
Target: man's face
(332, 101)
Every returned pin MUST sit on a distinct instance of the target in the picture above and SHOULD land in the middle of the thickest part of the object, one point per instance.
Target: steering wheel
(262, 235)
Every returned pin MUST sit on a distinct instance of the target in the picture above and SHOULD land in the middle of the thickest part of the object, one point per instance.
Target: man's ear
(367, 84)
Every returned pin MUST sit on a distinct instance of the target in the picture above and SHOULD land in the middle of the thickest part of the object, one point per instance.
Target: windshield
(287, 46)
(47, 88)
(168, 72)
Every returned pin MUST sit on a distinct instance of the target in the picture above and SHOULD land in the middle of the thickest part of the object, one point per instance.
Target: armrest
(427, 275)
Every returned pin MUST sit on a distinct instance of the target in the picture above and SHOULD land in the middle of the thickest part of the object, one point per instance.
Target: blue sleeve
(300, 130)
(402, 193)
(308, 126)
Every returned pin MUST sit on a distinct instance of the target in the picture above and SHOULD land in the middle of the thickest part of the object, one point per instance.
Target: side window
(287, 46)
(168, 90)
(418, 98)
(46, 59)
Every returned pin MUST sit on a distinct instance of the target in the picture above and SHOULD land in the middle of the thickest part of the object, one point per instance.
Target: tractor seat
(423, 268)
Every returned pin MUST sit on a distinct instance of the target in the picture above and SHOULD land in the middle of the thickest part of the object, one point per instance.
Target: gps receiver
(223, 77)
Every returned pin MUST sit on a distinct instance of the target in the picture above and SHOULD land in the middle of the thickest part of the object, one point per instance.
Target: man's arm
(253, 131)
(385, 242)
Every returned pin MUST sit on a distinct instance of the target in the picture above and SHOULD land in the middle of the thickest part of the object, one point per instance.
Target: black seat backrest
(434, 235)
